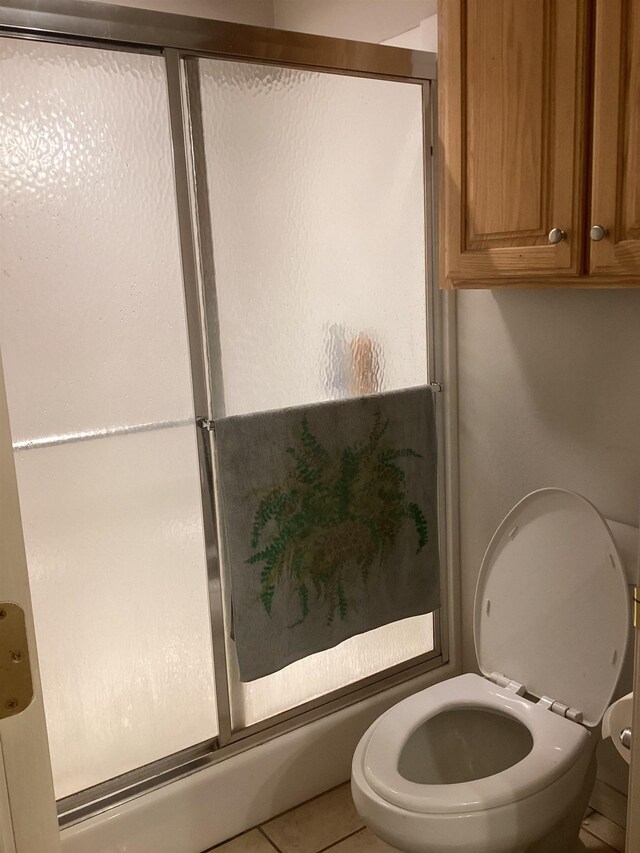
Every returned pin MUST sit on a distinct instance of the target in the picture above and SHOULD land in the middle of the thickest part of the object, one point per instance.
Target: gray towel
(329, 521)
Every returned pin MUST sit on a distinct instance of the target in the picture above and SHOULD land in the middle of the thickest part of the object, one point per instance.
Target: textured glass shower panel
(317, 675)
(316, 196)
(93, 339)
(114, 548)
(316, 199)
(89, 241)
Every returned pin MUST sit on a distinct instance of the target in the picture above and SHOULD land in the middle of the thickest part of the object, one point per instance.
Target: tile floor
(330, 823)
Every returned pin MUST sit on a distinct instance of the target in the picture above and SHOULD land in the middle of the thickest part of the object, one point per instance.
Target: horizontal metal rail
(90, 434)
(100, 22)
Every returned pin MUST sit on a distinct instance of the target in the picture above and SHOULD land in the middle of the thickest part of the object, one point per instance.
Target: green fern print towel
(329, 522)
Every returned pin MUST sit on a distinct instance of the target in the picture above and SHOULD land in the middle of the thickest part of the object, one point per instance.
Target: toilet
(504, 762)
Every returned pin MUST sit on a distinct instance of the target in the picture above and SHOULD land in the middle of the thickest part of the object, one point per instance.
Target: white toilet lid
(552, 602)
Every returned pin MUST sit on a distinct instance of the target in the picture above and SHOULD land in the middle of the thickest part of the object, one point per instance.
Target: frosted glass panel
(89, 242)
(316, 200)
(114, 547)
(94, 341)
(319, 674)
(317, 208)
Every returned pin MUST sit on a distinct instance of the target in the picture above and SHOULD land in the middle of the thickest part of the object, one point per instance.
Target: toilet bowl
(504, 762)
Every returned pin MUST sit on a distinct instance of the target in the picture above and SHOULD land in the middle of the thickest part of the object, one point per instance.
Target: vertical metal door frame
(200, 372)
(436, 364)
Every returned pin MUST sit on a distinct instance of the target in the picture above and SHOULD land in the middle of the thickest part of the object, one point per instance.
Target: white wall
(548, 396)
(363, 20)
(422, 37)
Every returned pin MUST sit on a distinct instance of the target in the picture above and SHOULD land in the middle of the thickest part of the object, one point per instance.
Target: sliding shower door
(186, 236)
(96, 361)
(312, 206)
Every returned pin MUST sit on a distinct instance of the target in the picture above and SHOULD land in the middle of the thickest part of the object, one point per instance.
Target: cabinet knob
(557, 235)
(598, 232)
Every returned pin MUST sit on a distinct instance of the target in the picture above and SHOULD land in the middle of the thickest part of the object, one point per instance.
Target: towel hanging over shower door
(329, 522)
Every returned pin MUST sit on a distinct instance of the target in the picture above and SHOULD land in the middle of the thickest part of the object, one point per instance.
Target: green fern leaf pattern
(421, 525)
(303, 594)
(267, 596)
(311, 443)
(342, 601)
(390, 455)
(334, 517)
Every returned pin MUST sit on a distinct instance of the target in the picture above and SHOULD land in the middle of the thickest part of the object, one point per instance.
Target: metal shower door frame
(184, 85)
(182, 40)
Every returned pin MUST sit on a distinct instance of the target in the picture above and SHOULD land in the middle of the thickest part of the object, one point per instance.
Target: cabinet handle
(557, 235)
(598, 232)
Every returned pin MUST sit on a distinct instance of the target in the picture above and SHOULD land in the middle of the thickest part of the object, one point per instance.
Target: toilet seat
(552, 603)
(557, 745)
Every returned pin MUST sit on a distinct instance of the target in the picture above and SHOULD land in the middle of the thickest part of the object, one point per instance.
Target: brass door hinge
(16, 686)
(636, 607)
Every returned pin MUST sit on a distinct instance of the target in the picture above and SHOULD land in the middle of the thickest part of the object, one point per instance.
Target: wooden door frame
(27, 799)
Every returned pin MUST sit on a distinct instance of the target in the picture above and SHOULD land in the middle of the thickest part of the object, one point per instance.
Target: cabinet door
(615, 203)
(512, 77)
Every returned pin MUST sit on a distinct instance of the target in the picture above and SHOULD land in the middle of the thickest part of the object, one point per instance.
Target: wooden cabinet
(520, 84)
(615, 200)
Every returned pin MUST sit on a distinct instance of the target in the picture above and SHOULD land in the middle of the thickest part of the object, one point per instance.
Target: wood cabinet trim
(615, 202)
(582, 282)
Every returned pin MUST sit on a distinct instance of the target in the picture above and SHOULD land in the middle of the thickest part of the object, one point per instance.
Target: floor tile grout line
(593, 830)
(305, 802)
(601, 840)
(322, 849)
(259, 826)
(255, 828)
(270, 841)
(340, 840)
